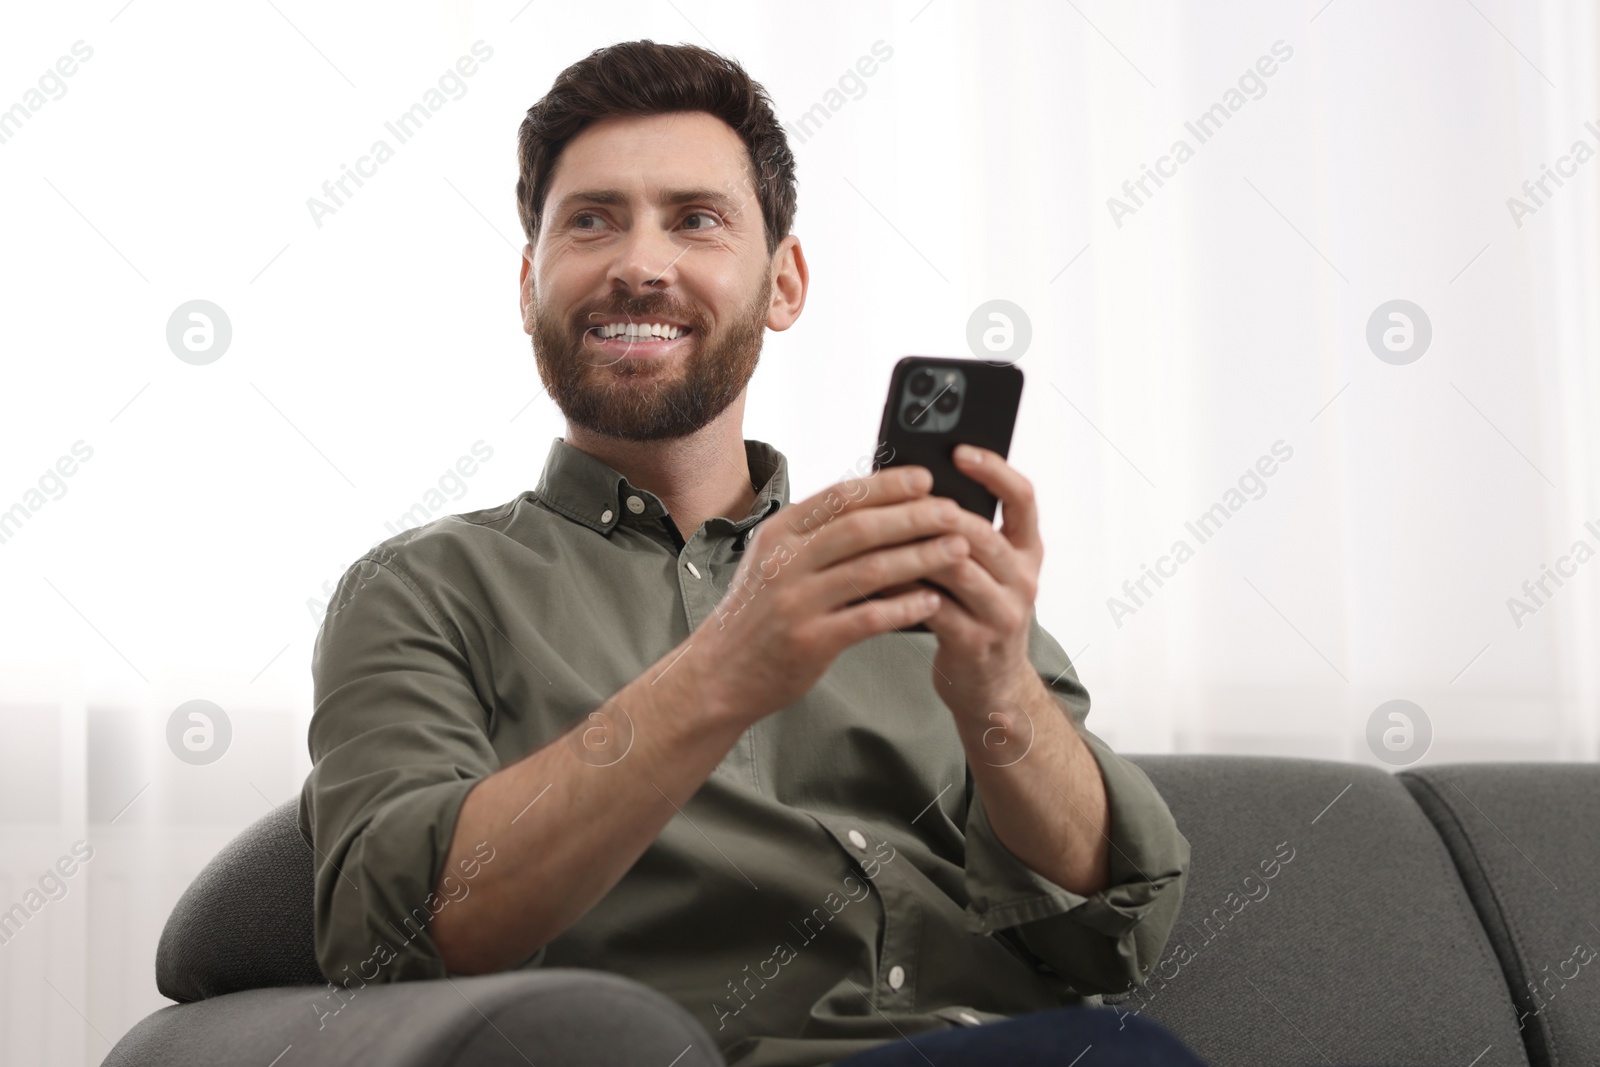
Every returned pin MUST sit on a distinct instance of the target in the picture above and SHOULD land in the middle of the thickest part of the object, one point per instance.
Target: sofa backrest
(1332, 912)
(1526, 839)
(245, 922)
(1323, 921)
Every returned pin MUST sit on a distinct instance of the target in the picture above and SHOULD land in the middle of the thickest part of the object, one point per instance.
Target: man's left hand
(1002, 708)
(982, 666)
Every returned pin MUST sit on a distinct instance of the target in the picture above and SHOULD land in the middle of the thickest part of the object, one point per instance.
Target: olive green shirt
(835, 884)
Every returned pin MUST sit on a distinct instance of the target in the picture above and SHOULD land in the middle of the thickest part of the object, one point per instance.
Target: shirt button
(605, 516)
(692, 568)
(635, 505)
(857, 839)
(969, 1018)
(897, 977)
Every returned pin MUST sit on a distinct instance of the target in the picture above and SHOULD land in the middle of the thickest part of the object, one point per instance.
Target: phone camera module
(931, 398)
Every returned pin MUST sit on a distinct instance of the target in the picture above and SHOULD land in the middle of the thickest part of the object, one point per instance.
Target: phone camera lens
(947, 401)
(922, 382)
(914, 412)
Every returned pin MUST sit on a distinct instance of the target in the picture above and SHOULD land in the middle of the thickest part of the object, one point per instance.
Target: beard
(643, 399)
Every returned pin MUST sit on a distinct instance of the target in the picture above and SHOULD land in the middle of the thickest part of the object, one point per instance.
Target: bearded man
(650, 717)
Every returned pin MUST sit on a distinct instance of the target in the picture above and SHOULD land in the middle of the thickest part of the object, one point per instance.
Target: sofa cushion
(1526, 839)
(1323, 921)
(246, 920)
(547, 1017)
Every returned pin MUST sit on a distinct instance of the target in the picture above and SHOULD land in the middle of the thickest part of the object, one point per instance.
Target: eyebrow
(669, 198)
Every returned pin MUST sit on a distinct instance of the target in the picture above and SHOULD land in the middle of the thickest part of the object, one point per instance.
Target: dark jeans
(1062, 1037)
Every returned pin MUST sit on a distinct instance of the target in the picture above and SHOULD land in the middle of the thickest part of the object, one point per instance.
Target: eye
(576, 219)
(703, 215)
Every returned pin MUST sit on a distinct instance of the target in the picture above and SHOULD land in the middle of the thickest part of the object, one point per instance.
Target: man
(652, 718)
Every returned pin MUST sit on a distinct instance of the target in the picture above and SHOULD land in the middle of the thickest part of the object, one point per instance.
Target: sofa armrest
(547, 1016)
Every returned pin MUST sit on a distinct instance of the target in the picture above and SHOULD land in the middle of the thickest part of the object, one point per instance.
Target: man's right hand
(797, 599)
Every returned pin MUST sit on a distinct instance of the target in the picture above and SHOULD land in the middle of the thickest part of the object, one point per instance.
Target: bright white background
(1171, 347)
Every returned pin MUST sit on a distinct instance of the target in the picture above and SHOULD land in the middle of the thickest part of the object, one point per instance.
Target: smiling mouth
(638, 343)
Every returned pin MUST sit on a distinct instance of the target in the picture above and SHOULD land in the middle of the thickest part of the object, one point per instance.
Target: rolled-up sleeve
(398, 738)
(1105, 942)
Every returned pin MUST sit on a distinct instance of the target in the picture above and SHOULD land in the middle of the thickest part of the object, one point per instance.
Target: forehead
(642, 155)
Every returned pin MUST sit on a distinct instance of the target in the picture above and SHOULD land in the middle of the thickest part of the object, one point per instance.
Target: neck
(697, 477)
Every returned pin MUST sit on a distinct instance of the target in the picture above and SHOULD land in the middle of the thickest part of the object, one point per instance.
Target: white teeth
(635, 331)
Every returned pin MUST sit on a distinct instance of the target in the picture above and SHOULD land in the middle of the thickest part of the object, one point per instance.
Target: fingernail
(968, 453)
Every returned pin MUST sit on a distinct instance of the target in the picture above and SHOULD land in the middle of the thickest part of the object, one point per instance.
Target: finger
(977, 591)
(872, 572)
(872, 617)
(953, 624)
(890, 486)
(991, 548)
(902, 587)
(1019, 512)
(867, 529)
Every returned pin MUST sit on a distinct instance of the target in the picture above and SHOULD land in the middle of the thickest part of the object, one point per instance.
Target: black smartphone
(935, 404)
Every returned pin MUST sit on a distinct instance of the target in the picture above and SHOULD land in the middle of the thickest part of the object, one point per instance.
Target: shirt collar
(591, 492)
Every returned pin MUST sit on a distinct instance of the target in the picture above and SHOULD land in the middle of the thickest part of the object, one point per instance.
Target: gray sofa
(1335, 914)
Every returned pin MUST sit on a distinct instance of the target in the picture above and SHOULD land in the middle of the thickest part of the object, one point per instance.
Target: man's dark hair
(645, 78)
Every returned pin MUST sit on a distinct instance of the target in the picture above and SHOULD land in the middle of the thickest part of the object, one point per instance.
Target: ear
(524, 289)
(791, 277)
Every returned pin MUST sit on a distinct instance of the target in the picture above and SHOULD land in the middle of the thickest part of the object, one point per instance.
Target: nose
(647, 259)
